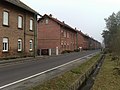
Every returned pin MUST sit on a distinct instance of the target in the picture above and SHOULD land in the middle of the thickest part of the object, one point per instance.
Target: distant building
(17, 29)
(91, 44)
(81, 41)
(54, 34)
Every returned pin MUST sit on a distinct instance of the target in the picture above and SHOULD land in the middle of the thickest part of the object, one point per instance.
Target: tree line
(112, 33)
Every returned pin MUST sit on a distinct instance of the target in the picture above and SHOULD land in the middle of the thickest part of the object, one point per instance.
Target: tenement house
(17, 29)
(54, 36)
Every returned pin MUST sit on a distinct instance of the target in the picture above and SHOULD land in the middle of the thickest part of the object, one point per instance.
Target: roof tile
(21, 5)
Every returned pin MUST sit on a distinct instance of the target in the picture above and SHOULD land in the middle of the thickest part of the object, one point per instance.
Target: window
(5, 44)
(31, 45)
(61, 42)
(20, 21)
(46, 21)
(19, 45)
(31, 24)
(68, 45)
(65, 43)
(67, 34)
(5, 18)
(64, 33)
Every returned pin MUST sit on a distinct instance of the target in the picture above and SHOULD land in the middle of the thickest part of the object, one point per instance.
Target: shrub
(66, 51)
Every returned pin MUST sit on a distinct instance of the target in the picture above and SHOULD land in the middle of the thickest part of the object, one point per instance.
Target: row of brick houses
(22, 35)
(56, 35)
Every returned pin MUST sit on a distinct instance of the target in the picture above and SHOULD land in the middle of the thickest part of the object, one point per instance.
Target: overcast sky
(86, 15)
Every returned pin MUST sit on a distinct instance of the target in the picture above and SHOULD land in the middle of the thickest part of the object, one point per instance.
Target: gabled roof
(20, 4)
(81, 33)
(57, 21)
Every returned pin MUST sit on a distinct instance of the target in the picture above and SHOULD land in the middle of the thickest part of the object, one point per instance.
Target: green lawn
(108, 78)
(64, 81)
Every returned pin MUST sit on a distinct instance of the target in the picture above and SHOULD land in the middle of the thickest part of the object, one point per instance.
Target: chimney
(63, 22)
(50, 15)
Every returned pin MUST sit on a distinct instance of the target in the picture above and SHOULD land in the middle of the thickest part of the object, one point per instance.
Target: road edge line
(38, 74)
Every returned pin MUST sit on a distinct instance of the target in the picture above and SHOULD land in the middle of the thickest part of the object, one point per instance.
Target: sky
(85, 15)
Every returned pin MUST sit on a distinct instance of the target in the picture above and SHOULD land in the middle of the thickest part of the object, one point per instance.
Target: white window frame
(19, 44)
(61, 42)
(68, 35)
(31, 45)
(5, 18)
(20, 22)
(65, 34)
(5, 44)
(31, 24)
(46, 21)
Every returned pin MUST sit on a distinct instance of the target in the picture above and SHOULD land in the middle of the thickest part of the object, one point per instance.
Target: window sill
(6, 25)
(31, 30)
(19, 51)
(20, 28)
(30, 50)
(5, 51)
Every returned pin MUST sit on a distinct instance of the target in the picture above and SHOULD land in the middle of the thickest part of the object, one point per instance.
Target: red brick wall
(51, 36)
(68, 40)
(81, 40)
(48, 34)
(86, 43)
(12, 32)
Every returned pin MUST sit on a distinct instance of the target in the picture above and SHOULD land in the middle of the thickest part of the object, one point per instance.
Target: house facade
(55, 35)
(17, 29)
(90, 43)
(81, 41)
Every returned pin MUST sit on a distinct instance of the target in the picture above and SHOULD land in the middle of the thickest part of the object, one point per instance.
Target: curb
(22, 59)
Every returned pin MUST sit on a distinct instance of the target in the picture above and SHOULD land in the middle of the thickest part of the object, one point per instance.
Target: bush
(77, 50)
(66, 51)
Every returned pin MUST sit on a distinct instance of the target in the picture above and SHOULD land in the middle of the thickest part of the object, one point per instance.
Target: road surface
(18, 71)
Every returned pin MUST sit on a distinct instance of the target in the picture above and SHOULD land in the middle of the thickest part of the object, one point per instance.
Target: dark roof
(57, 21)
(21, 5)
(81, 33)
(65, 25)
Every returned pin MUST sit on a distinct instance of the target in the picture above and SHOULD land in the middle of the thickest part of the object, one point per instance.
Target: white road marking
(38, 74)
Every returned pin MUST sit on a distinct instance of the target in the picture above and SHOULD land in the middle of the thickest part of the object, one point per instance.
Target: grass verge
(108, 78)
(63, 82)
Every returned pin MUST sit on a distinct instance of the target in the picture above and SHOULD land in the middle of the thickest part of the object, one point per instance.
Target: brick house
(90, 43)
(54, 34)
(17, 29)
(86, 42)
(81, 40)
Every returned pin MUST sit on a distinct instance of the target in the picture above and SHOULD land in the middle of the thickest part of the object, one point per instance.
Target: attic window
(46, 21)
(41, 21)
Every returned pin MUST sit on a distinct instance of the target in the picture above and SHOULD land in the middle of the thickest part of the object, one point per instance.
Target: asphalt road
(12, 73)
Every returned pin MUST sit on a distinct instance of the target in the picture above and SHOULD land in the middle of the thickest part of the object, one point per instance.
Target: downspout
(24, 34)
(35, 35)
(60, 41)
(77, 40)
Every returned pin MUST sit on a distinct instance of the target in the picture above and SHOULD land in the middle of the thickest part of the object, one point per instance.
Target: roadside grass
(64, 81)
(108, 78)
